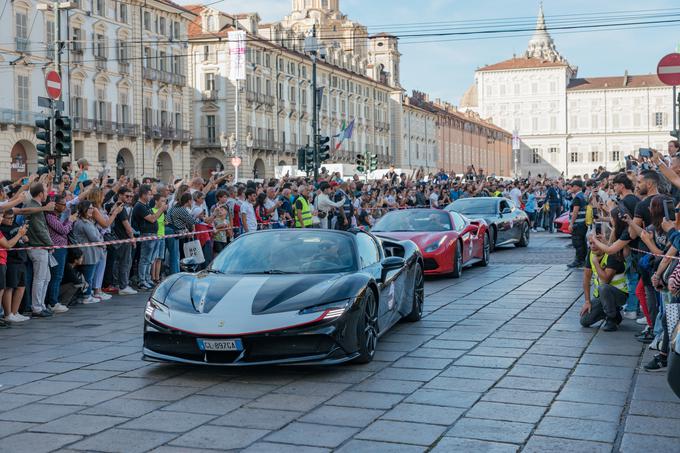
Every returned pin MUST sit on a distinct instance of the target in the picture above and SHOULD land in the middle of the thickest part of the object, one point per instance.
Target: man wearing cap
(577, 223)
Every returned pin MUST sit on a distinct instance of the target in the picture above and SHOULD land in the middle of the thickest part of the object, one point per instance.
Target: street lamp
(314, 50)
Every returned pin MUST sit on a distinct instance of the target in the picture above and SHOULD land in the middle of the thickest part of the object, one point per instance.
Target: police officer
(577, 223)
(303, 215)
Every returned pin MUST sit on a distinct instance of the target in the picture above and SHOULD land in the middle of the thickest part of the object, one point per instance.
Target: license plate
(220, 345)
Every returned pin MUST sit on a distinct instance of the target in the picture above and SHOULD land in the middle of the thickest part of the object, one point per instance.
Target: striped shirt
(180, 219)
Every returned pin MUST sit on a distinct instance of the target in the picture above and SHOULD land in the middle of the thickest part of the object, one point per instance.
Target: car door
(369, 261)
(465, 236)
(516, 222)
(505, 223)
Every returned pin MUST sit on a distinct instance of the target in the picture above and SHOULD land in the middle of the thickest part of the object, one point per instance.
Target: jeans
(578, 240)
(146, 252)
(632, 277)
(121, 266)
(173, 255)
(100, 267)
(605, 305)
(554, 211)
(57, 273)
(41, 278)
(88, 273)
(663, 299)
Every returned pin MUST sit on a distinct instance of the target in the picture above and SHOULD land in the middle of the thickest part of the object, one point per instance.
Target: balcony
(19, 118)
(103, 127)
(382, 125)
(166, 133)
(124, 67)
(251, 96)
(100, 63)
(164, 76)
(210, 142)
(22, 44)
(149, 73)
(209, 95)
(179, 79)
(127, 130)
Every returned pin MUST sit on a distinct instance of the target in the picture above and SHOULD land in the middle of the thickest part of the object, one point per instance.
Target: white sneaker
(89, 300)
(630, 315)
(21, 317)
(642, 321)
(59, 308)
(127, 291)
(655, 344)
(103, 296)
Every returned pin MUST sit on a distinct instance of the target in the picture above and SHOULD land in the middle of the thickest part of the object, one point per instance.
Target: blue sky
(446, 69)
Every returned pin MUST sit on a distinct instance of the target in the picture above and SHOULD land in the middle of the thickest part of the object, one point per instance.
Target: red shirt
(3, 253)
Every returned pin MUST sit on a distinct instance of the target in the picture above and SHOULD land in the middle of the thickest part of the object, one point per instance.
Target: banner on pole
(237, 55)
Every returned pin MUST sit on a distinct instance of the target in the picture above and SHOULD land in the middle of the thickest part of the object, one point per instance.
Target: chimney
(625, 78)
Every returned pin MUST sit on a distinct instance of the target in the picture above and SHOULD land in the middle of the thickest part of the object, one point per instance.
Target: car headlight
(435, 245)
(331, 310)
(675, 339)
(152, 305)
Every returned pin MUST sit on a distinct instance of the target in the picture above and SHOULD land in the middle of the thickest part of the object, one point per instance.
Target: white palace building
(568, 124)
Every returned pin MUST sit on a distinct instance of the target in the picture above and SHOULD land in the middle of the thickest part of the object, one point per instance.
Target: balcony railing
(166, 133)
(124, 67)
(382, 125)
(209, 95)
(22, 44)
(149, 73)
(179, 79)
(209, 142)
(19, 118)
(251, 96)
(100, 63)
(128, 130)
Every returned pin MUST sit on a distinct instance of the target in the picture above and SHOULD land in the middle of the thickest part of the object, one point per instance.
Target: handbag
(193, 249)
(672, 316)
(108, 237)
(674, 281)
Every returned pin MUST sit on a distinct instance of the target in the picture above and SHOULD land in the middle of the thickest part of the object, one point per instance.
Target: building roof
(523, 63)
(195, 29)
(179, 7)
(615, 83)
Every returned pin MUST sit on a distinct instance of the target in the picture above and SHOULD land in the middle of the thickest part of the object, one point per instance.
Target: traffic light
(62, 135)
(373, 162)
(324, 149)
(42, 132)
(361, 163)
(675, 133)
(309, 158)
(301, 159)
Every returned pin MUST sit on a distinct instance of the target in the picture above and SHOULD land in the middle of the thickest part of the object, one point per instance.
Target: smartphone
(24, 181)
(645, 152)
(669, 209)
(598, 229)
(110, 181)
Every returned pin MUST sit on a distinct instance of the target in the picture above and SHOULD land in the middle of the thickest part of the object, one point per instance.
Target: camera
(645, 152)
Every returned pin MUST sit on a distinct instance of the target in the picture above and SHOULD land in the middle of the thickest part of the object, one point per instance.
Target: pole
(315, 114)
(675, 112)
(236, 109)
(57, 64)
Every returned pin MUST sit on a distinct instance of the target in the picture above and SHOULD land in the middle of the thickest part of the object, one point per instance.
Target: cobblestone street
(499, 363)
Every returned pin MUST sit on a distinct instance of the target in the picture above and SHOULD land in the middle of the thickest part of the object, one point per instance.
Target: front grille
(430, 264)
(278, 347)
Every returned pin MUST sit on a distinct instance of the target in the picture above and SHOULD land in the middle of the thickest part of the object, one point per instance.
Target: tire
(486, 250)
(524, 237)
(418, 296)
(367, 328)
(493, 236)
(458, 261)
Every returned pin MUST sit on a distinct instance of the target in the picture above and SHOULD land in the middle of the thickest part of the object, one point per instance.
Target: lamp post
(313, 49)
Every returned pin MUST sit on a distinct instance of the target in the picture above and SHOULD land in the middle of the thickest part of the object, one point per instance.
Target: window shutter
(118, 114)
(83, 114)
(108, 112)
(94, 107)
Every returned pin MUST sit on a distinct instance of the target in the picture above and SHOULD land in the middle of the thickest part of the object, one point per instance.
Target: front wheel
(524, 238)
(418, 296)
(367, 329)
(486, 250)
(458, 261)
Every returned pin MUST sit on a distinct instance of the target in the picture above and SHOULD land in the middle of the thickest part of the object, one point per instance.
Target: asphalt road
(498, 364)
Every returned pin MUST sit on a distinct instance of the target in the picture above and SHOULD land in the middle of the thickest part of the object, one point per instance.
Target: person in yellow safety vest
(610, 290)
(303, 215)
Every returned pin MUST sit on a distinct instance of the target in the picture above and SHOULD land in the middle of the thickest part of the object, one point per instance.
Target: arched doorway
(258, 169)
(210, 165)
(18, 162)
(125, 163)
(282, 163)
(164, 170)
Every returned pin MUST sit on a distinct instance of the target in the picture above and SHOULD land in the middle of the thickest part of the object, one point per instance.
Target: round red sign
(53, 85)
(668, 69)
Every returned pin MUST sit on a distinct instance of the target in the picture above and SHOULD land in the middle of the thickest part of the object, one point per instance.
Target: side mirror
(391, 263)
(506, 211)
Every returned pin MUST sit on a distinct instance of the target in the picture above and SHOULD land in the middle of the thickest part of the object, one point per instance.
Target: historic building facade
(124, 84)
(568, 124)
(275, 100)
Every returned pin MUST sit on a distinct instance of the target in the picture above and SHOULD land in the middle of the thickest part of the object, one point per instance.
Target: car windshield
(476, 206)
(287, 252)
(414, 220)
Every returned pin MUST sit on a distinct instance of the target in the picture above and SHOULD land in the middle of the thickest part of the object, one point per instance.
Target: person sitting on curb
(610, 291)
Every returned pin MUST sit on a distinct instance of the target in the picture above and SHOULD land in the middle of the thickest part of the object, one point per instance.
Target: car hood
(260, 294)
(421, 239)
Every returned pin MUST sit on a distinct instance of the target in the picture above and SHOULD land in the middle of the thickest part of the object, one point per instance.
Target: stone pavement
(499, 364)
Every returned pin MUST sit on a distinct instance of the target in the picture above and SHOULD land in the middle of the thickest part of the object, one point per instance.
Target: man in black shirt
(577, 225)
(623, 186)
(146, 222)
(123, 256)
(15, 280)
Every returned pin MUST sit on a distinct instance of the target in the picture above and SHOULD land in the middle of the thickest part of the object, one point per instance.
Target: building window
(122, 51)
(21, 25)
(162, 61)
(148, 57)
(659, 119)
(553, 150)
(573, 157)
(175, 30)
(594, 122)
(176, 65)
(100, 7)
(211, 132)
(535, 156)
(616, 155)
(122, 12)
(594, 156)
(161, 26)
(206, 52)
(147, 21)
(100, 46)
(210, 81)
(22, 93)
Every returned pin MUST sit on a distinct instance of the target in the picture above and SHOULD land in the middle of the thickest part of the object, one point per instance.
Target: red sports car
(448, 240)
(562, 223)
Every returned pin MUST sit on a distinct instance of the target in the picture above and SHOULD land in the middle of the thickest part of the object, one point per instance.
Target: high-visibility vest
(618, 282)
(306, 214)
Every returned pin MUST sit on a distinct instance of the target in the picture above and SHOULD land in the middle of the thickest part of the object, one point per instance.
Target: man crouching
(606, 273)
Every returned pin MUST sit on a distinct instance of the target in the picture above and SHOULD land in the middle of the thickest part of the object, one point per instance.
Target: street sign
(668, 69)
(53, 85)
(49, 103)
(236, 161)
(516, 143)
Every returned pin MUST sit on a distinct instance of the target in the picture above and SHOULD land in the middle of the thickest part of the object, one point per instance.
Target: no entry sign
(668, 69)
(53, 85)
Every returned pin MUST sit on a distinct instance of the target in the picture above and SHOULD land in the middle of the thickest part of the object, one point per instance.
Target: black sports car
(507, 223)
(287, 296)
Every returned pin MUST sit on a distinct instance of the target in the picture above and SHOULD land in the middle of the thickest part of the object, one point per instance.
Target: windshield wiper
(270, 272)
